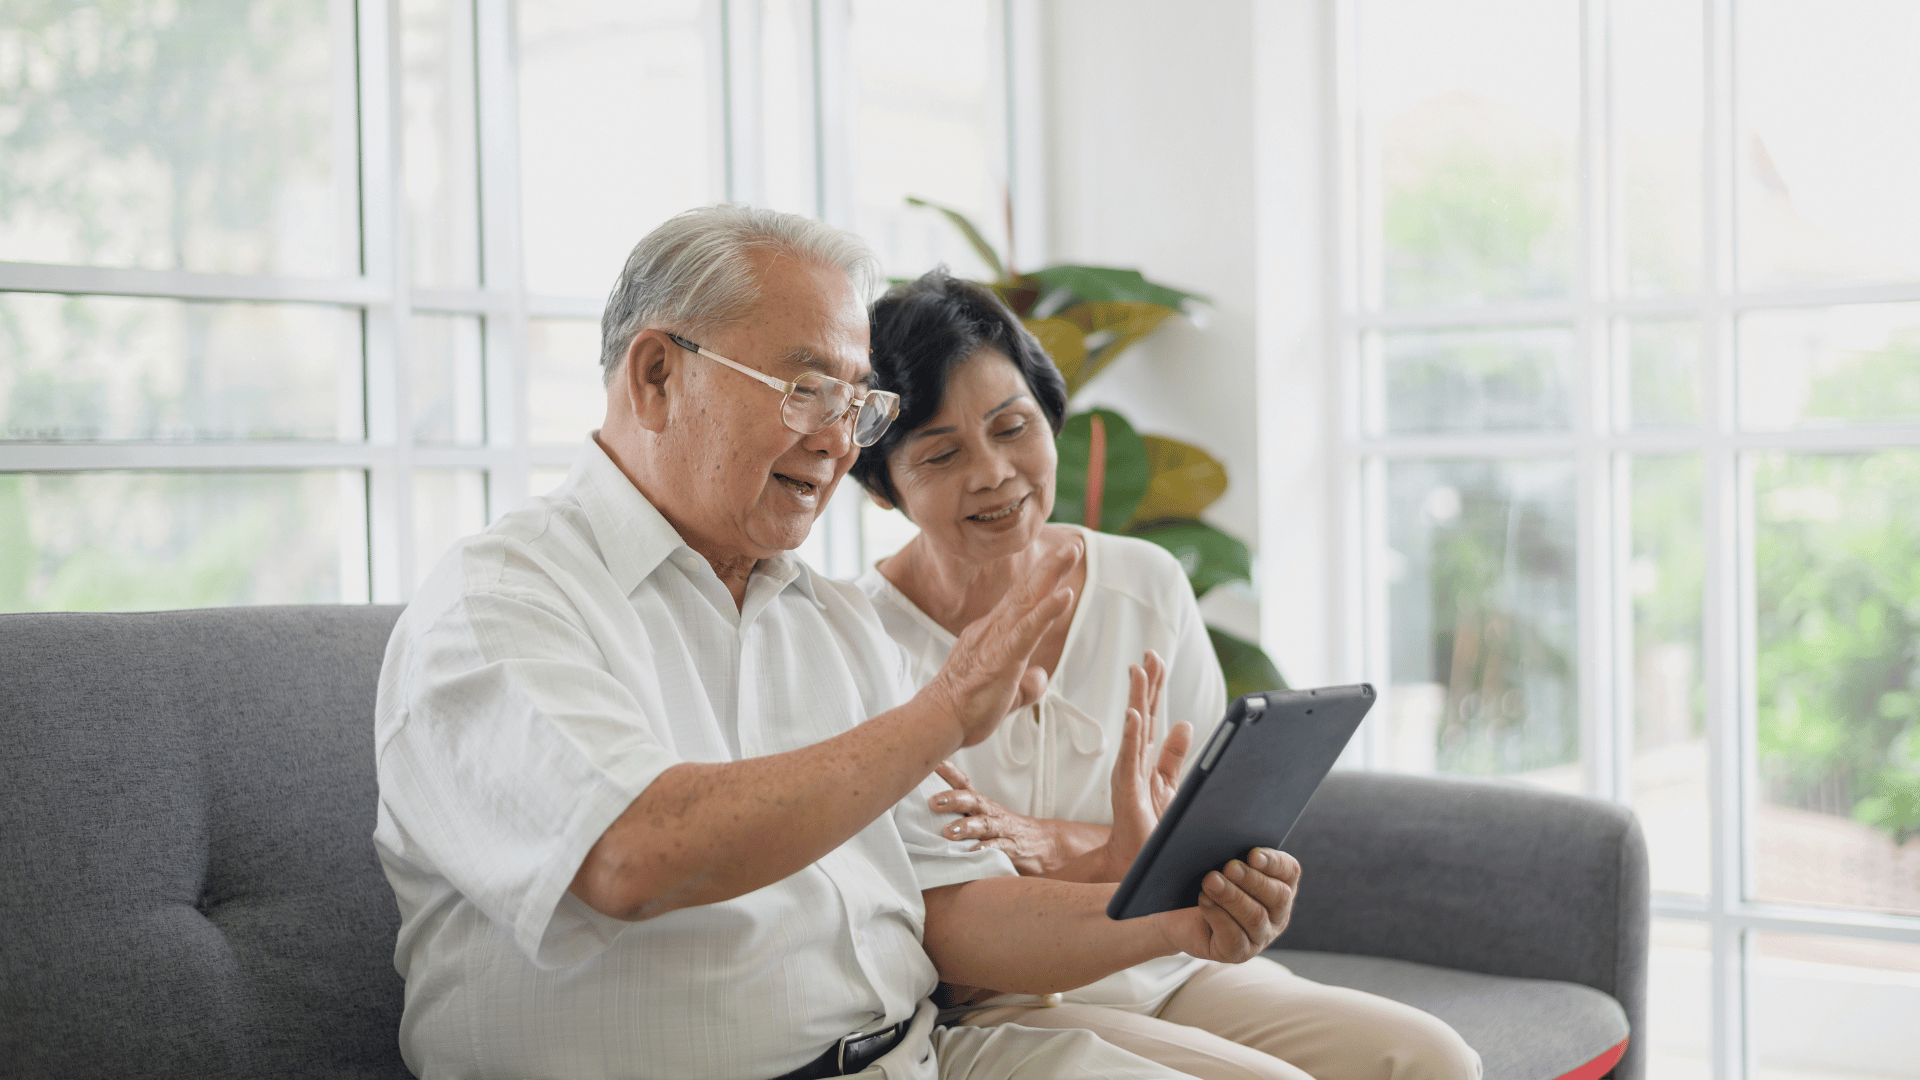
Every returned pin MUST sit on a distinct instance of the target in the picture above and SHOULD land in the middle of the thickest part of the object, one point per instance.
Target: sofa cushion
(1524, 1029)
(186, 811)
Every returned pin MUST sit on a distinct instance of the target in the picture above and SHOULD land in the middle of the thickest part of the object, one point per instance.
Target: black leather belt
(849, 1055)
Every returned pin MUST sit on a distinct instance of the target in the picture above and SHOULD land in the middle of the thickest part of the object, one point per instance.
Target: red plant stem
(1096, 470)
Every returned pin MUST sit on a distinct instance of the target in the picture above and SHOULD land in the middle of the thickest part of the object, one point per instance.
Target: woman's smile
(992, 517)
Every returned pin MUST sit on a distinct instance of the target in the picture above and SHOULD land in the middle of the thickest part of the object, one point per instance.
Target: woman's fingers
(1129, 767)
(974, 827)
(961, 801)
(1173, 752)
(953, 774)
(1156, 670)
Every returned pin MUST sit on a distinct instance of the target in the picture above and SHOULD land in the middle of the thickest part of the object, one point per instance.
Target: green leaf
(1209, 556)
(1110, 283)
(980, 245)
(1126, 479)
(1248, 670)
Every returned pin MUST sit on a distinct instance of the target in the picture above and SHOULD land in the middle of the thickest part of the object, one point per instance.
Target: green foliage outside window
(1837, 544)
(1838, 613)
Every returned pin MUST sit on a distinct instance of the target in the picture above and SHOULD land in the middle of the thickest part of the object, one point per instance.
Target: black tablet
(1263, 763)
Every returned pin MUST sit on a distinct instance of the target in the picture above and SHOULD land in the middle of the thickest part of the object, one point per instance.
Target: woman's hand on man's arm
(1143, 784)
(1038, 847)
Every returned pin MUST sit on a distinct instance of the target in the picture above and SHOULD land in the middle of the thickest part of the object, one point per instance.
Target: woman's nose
(993, 470)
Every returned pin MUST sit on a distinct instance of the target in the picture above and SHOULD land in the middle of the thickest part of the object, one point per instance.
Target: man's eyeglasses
(814, 401)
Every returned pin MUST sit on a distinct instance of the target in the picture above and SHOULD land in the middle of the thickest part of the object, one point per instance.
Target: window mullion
(504, 340)
(384, 244)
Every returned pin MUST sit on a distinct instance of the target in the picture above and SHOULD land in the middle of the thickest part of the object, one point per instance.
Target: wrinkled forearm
(1032, 935)
(704, 833)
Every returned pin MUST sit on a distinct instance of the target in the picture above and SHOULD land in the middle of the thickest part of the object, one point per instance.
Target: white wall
(1151, 162)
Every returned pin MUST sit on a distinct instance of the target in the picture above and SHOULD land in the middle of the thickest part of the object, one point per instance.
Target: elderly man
(652, 793)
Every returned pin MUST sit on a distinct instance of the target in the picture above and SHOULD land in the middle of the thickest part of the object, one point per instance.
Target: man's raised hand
(988, 674)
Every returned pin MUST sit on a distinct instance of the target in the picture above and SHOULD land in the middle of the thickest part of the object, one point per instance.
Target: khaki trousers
(1006, 1052)
(1259, 1021)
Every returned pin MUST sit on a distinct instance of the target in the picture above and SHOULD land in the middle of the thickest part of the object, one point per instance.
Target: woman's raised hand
(1143, 783)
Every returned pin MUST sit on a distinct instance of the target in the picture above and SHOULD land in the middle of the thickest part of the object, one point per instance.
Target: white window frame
(1313, 321)
(388, 456)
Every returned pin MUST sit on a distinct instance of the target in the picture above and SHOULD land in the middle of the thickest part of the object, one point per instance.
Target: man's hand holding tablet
(1239, 802)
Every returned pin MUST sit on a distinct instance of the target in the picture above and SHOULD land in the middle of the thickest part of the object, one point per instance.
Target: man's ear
(651, 357)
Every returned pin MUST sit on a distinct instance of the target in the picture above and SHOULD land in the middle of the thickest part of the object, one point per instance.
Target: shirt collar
(634, 538)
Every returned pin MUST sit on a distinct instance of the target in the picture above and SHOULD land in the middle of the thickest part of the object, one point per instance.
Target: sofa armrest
(1478, 876)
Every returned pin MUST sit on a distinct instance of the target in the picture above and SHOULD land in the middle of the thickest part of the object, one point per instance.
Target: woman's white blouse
(1055, 758)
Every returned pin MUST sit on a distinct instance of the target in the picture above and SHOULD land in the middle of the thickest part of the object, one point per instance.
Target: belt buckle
(840, 1062)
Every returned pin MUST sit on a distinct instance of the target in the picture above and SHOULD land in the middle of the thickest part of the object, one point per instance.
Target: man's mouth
(799, 487)
(1001, 514)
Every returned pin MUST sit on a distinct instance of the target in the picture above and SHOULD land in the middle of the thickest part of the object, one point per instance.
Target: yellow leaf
(1112, 326)
(1066, 343)
(1185, 480)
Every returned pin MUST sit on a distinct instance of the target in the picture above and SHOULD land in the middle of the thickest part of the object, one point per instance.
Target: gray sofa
(188, 887)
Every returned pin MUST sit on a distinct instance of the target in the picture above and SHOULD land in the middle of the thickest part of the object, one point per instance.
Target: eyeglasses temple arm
(783, 387)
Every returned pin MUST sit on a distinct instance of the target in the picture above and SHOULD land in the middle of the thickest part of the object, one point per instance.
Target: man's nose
(836, 438)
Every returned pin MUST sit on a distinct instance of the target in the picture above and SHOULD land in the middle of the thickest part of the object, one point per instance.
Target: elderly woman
(971, 462)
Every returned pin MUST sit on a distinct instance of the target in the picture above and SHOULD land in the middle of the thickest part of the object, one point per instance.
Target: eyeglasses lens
(876, 413)
(814, 402)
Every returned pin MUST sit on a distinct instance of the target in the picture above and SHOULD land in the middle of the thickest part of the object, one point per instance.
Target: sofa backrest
(187, 879)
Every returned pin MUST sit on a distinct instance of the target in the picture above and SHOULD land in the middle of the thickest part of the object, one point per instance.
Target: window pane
(1666, 576)
(925, 129)
(1824, 1008)
(1658, 114)
(1471, 116)
(1663, 374)
(1830, 367)
(565, 398)
(1837, 605)
(1679, 998)
(786, 107)
(447, 505)
(543, 481)
(1478, 380)
(215, 137)
(104, 367)
(444, 379)
(614, 123)
(1483, 628)
(1830, 146)
(442, 154)
(882, 532)
(148, 541)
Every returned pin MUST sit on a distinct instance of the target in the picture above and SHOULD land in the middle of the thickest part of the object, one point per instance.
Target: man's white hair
(695, 272)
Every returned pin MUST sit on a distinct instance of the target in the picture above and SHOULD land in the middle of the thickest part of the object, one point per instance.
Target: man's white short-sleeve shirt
(547, 671)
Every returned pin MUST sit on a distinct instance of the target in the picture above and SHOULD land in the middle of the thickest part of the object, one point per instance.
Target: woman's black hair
(921, 329)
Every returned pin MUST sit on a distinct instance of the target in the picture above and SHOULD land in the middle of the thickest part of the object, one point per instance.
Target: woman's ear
(885, 503)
